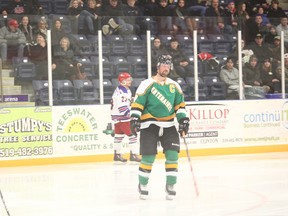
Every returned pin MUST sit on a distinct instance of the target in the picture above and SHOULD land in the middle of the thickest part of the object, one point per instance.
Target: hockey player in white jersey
(120, 113)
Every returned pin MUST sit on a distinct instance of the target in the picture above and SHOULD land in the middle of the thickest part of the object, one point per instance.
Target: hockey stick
(3, 201)
(191, 168)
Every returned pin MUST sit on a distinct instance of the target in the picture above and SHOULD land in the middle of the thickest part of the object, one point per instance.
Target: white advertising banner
(86, 130)
(237, 123)
(82, 130)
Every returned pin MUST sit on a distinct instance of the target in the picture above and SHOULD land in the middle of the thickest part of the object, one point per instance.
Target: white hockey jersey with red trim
(121, 104)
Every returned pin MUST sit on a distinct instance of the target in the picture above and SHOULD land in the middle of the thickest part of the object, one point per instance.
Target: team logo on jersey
(172, 88)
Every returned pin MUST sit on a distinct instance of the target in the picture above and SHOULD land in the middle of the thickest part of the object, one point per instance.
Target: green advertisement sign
(25, 132)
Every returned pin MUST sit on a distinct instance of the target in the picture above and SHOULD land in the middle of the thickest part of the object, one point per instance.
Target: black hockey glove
(135, 125)
(183, 126)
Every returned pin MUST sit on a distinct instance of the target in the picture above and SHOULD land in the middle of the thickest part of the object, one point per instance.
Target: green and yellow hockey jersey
(158, 104)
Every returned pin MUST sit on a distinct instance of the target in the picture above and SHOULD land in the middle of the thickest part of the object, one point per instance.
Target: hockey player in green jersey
(158, 101)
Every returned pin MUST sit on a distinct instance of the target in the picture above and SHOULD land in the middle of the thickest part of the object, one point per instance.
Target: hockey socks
(171, 167)
(145, 168)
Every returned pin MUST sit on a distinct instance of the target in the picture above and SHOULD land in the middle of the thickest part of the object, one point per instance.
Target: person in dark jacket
(57, 32)
(251, 72)
(182, 22)
(133, 15)
(260, 48)
(180, 62)
(163, 15)
(38, 55)
(27, 29)
(276, 51)
(268, 76)
(90, 17)
(275, 12)
(157, 50)
(113, 22)
(252, 77)
(215, 21)
(64, 62)
(73, 13)
(17, 7)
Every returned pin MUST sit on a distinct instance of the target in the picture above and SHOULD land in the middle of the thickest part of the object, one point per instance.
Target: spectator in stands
(261, 12)
(230, 15)
(215, 22)
(253, 6)
(260, 48)
(38, 55)
(197, 8)
(255, 26)
(163, 15)
(230, 76)
(276, 51)
(246, 53)
(27, 29)
(242, 17)
(63, 61)
(278, 72)
(268, 77)
(181, 64)
(133, 15)
(270, 35)
(249, 7)
(17, 7)
(73, 13)
(275, 12)
(57, 32)
(252, 76)
(81, 3)
(12, 40)
(42, 27)
(283, 26)
(157, 49)
(114, 21)
(182, 22)
(89, 18)
(148, 6)
(36, 7)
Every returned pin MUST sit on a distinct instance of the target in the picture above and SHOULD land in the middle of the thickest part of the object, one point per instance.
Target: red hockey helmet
(123, 76)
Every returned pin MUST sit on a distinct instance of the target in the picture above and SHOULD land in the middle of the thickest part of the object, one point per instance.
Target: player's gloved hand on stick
(183, 126)
(135, 125)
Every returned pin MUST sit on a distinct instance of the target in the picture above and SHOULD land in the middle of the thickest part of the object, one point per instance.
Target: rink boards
(74, 134)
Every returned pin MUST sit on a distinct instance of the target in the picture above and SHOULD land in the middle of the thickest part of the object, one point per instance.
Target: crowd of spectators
(24, 30)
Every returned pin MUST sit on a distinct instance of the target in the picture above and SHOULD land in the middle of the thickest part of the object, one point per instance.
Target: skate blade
(169, 197)
(119, 163)
(134, 163)
(143, 196)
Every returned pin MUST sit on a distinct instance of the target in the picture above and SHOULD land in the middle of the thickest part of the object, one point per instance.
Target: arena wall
(77, 134)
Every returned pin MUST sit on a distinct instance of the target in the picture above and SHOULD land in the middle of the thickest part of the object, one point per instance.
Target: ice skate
(134, 158)
(170, 192)
(118, 159)
(143, 192)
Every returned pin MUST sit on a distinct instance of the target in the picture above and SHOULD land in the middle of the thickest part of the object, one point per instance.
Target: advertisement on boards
(25, 132)
(237, 123)
(82, 130)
